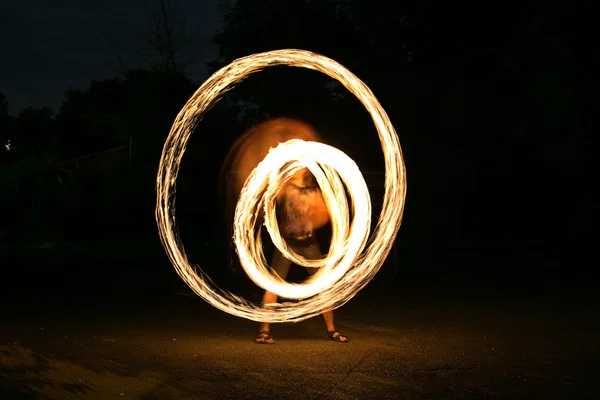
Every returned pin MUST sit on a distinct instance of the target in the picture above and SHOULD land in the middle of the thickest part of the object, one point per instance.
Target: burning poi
(353, 259)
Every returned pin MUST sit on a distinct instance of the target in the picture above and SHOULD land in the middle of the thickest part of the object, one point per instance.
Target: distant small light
(7, 145)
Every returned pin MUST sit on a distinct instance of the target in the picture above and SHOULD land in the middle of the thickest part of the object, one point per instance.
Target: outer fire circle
(365, 265)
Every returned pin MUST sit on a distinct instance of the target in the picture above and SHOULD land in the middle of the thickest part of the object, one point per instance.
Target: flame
(353, 258)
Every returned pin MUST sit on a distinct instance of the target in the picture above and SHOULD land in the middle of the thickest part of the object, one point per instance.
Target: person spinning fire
(301, 210)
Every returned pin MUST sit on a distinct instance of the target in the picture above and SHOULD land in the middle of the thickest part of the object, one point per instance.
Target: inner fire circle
(260, 190)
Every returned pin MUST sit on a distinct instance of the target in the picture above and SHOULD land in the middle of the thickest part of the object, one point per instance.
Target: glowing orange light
(349, 265)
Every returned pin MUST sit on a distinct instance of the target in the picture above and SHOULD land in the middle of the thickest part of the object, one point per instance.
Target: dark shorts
(308, 249)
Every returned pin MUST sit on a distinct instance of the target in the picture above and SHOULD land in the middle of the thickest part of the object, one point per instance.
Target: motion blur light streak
(349, 272)
(346, 244)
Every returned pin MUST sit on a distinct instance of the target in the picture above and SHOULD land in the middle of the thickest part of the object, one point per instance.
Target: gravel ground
(90, 333)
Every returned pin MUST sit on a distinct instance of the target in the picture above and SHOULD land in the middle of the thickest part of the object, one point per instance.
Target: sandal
(337, 337)
(265, 337)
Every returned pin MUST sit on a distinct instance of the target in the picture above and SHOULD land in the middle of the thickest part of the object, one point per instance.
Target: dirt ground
(419, 339)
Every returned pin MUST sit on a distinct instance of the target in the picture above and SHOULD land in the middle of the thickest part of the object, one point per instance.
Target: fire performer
(301, 208)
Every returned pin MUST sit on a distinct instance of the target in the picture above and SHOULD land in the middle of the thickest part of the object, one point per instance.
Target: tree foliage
(493, 113)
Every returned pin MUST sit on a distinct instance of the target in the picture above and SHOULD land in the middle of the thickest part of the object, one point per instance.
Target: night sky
(49, 46)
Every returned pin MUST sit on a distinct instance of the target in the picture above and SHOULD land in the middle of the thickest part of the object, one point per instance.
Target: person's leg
(264, 333)
(314, 252)
(279, 265)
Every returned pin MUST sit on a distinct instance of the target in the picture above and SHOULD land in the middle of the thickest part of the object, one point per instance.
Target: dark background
(489, 291)
(492, 103)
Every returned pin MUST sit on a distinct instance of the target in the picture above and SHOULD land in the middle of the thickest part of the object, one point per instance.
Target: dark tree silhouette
(485, 106)
(494, 114)
(169, 38)
(336, 29)
(389, 49)
(6, 131)
(138, 108)
(167, 46)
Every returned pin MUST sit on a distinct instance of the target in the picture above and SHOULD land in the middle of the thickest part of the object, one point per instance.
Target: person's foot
(337, 337)
(265, 337)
